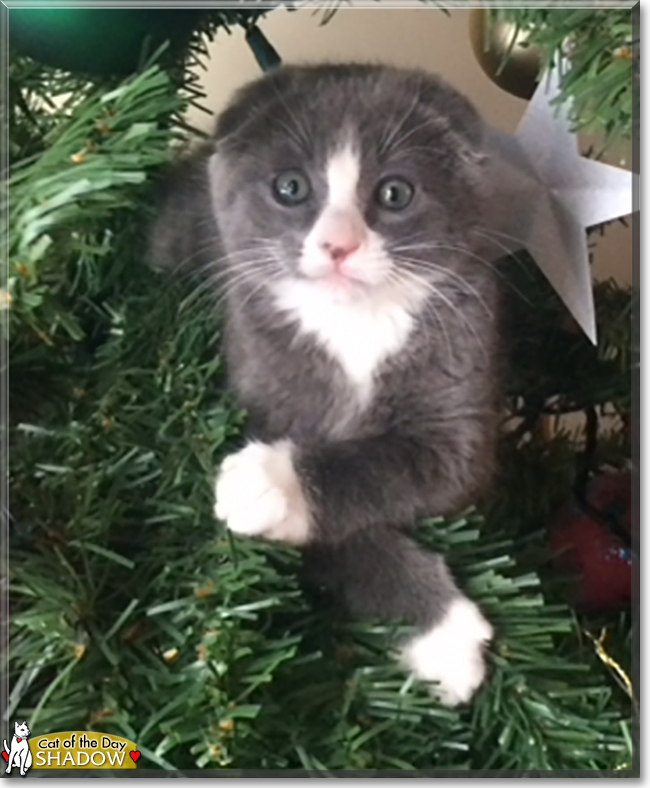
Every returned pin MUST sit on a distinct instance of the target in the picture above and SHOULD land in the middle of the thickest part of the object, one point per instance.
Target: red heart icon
(134, 755)
(5, 756)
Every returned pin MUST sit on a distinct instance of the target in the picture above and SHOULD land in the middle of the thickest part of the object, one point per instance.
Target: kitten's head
(354, 179)
(21, 730)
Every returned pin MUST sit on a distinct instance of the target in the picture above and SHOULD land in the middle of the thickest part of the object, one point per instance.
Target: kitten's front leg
(259, 494)
(297, 494)
(381, 573)
(393, 478)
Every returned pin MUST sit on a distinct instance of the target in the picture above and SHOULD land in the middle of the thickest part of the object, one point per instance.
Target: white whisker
(463, 250)
(395, 276)
(386, 143)
(424, 265)
(439, 294)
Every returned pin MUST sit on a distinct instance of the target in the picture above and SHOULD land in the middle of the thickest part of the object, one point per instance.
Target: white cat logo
(19, 755)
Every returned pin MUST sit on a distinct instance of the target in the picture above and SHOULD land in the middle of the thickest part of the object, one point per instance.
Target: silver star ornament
(546, 195)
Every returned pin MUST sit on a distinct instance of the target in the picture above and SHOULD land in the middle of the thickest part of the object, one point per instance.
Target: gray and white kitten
(340, 206)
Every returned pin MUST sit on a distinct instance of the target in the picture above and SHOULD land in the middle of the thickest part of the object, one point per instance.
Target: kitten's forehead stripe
(343, 171)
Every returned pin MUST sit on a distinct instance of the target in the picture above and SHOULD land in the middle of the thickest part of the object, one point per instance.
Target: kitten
(360, 334)
(19, 754)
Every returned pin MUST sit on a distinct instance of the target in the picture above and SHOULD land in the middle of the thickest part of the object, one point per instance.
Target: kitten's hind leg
(382, 573)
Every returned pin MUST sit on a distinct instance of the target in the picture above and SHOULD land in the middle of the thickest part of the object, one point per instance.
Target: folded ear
(251, 100)
(446, 102)
(183, 235)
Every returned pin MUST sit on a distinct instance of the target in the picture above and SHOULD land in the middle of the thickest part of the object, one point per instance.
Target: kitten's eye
(291, 188)
(394, 193)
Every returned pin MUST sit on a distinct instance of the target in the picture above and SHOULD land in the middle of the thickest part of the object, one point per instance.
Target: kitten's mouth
(344, 283)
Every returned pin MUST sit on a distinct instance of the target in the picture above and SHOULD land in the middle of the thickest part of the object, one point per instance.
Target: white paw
(258, 493)
(450, 655)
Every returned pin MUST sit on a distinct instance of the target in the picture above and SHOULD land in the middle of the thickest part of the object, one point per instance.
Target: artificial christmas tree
(133, 613)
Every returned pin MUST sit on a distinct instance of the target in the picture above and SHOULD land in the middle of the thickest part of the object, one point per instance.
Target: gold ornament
(503, 55)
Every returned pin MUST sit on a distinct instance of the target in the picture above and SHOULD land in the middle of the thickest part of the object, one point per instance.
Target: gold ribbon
(599, 646)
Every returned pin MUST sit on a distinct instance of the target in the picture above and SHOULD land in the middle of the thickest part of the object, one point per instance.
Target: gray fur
(424, 446)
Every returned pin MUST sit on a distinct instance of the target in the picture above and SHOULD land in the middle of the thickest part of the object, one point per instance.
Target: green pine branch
(598, 53)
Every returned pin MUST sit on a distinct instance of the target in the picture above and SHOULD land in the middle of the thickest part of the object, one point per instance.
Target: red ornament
(591, 541)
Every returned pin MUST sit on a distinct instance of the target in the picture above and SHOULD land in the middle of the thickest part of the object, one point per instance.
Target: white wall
(422, 36)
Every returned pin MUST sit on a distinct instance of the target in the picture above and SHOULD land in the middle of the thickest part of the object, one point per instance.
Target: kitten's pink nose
(341, 234)
(339, 253)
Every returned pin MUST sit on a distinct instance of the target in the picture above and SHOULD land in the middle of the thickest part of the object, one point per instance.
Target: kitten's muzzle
(339, 233)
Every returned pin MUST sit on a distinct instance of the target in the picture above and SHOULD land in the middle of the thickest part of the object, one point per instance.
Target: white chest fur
(358, 333)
